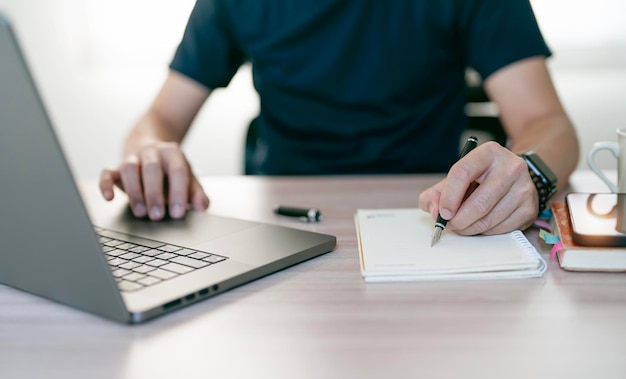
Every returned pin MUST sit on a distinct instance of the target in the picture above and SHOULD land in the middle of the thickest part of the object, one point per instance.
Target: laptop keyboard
(139, 263)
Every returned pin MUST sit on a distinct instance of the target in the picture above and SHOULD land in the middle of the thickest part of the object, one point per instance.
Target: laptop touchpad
(194, 229)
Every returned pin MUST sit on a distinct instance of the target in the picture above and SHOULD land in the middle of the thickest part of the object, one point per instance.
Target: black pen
(440, 224)
(304, 214)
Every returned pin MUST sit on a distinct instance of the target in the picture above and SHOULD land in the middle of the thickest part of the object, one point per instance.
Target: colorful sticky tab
(548, 237)
(555, 249)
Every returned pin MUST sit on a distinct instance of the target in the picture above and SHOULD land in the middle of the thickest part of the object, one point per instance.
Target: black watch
(543, 178)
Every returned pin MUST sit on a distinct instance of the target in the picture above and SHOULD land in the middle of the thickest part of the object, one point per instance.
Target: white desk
(320, 320)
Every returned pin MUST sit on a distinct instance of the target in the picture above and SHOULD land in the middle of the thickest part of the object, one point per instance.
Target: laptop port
(172, 303)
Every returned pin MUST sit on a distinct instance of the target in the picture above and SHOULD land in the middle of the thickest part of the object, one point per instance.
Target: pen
(440, 224)
(305, 214)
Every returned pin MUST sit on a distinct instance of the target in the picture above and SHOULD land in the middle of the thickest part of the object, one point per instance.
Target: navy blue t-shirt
(357, 86)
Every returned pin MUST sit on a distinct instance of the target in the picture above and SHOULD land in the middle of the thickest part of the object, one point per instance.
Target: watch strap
(543, 178)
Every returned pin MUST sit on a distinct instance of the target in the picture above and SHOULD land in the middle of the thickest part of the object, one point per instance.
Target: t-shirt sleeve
(501, 32)
(208, 52)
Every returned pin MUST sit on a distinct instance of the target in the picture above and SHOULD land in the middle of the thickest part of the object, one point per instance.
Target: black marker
(440, 224)
(304, 214)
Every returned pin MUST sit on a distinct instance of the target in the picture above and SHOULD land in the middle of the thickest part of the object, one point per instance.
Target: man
(363, 86)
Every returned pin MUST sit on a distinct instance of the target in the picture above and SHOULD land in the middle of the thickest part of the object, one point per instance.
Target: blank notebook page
(397, 242)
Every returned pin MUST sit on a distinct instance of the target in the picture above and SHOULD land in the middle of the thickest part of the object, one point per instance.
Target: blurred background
(99, 63)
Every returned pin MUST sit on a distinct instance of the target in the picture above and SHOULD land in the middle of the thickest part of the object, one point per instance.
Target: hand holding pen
(441, 223)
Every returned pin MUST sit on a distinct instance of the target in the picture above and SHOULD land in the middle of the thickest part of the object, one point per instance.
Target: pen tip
(436, 236)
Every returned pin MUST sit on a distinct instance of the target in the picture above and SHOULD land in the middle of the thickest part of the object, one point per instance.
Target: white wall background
(98, 64)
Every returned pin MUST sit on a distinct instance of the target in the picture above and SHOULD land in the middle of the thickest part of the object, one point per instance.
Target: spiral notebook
(394, 245)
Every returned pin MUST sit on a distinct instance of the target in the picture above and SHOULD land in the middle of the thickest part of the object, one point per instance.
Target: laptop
(124, 269)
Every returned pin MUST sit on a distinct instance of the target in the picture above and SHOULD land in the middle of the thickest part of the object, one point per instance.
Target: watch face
(540, 168)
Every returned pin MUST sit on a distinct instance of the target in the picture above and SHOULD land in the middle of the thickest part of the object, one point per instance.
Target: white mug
(618, 149)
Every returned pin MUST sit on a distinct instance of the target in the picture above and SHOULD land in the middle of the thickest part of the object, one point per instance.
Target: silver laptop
(124, 269)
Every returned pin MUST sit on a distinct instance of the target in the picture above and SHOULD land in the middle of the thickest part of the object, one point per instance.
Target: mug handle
(613, 147)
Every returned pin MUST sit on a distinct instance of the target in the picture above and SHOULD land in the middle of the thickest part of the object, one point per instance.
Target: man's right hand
(155, 174)
(157, 177)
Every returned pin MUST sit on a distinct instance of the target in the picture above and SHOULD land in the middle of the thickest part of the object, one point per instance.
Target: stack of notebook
(574, 257)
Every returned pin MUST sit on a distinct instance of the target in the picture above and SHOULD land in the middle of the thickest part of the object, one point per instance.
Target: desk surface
(320, 320)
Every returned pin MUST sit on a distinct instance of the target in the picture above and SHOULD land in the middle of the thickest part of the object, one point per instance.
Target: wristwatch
(543, 178)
